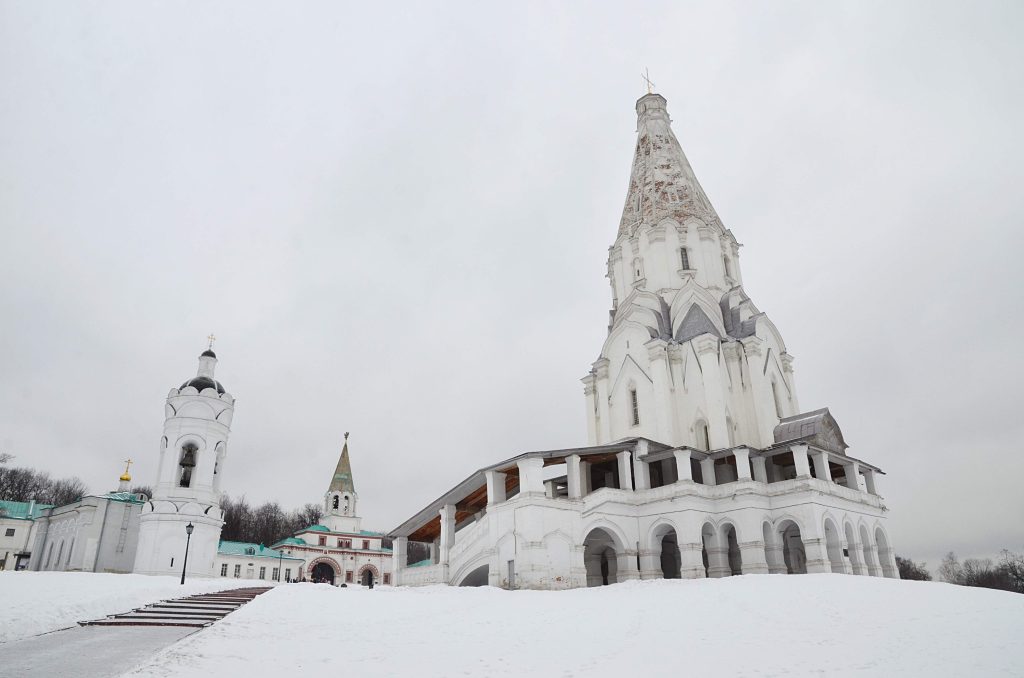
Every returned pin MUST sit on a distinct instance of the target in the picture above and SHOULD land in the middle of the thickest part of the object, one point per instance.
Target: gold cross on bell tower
(211, 339)
(646, 75)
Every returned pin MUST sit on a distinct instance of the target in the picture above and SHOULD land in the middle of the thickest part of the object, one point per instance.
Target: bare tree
(911, 570)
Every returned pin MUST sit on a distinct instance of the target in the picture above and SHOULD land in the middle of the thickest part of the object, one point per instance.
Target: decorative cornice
(706, 232)
(787, 362)
(753, 345)
(732, 350)
(706, 343)
(601, 368)
(656, 349)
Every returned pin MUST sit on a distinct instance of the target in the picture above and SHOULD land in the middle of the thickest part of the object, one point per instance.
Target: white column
(573, 475)
(869, 481)
(495, 487)
(742, 456)
(604, 415)
(683, 469)
(447, 533)
(707, 470)
(803, 468)
(752, 557)
(852, 475)
(625, 470)
(773, 553)
(760, 470)
(692, 560)
(641, 473)
(821, 467)
(398, 559)
(531, 476)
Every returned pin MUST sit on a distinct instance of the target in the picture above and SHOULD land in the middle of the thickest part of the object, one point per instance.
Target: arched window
(638, 269)
(635, 406)
(701, 431)
(334, 503)
(189, 452)
(684, 258)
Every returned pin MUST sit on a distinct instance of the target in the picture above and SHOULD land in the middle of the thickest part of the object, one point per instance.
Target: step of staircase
(193, 611)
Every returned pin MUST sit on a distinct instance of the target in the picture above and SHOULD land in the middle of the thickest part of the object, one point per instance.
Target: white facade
(18, 529)
(97, 533)
(699, 462)
(238, 560)
(193, 453)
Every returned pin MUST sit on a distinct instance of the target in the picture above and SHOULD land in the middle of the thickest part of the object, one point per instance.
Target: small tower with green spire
(340, 501)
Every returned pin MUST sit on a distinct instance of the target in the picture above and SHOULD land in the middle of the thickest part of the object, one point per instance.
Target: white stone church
(699, 462)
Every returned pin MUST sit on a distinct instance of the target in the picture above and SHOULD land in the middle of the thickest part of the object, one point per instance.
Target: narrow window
(187, 463)
(775, 397)
(366, 545)
(172, 561)
(511, 574)
(322, 541)
(335, 503)
(636, 406)
(684, 258)
(287, 574)
(387, 579)
(341, 543)
(224, 569)
(701, 430)
(348, 576)
(263, 572)
(275, 575)
(238, 571)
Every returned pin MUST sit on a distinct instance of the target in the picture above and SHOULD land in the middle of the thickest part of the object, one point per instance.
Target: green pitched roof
(316, 528)
(342, 480)
(292, 540)
(20, 510)
(239, 548)
(126, 497)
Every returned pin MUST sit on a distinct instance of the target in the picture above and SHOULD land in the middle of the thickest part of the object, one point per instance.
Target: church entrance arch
(600, 557)
(323, 571)
(665, 538)
(368, 575)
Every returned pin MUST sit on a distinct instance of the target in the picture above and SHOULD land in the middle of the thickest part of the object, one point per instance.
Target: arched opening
(322, 573)
(334, 502)
(733, 549)
(600, 557)
(187, 462)
(367, 578)
(671, 562)
(478, 577)
(885, 555)
(853, 548)
(700, 430)
(793, 548)
(834, 546)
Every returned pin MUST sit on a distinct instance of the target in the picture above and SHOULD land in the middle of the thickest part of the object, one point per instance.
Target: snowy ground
(38, 602)
(831, 625)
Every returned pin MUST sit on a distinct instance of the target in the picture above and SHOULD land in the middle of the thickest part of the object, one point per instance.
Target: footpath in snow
(766, 625)
(38, 602)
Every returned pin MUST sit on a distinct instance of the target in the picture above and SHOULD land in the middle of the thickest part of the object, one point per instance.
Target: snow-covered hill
(771, 625)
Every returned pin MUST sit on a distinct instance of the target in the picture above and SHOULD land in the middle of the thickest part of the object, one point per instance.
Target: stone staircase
(194, 611)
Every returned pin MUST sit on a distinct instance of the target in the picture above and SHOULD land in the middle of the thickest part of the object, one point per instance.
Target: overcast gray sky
(396, 222)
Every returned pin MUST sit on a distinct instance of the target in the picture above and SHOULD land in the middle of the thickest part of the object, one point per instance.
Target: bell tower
(191, 463)
(340, 501)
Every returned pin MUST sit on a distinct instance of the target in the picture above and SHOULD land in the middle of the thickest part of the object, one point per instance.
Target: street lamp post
(188, 539)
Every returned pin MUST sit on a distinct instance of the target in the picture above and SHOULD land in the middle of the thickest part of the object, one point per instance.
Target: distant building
(239, 560)
(97, 533)
(17, 532)
(340, 551)
(699, 461)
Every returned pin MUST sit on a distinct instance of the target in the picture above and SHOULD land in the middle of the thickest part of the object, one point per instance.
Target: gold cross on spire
(128, 464)
(211, 339)
(646, 75)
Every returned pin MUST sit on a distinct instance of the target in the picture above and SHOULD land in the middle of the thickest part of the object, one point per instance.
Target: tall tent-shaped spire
(662, 183)
(342, 479)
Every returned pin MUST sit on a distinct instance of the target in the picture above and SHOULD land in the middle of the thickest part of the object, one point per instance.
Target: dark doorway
(322, 574)
(367, 578)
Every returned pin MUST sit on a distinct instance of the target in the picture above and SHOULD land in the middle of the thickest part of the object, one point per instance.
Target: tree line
(19, 483)
(1006, 574)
